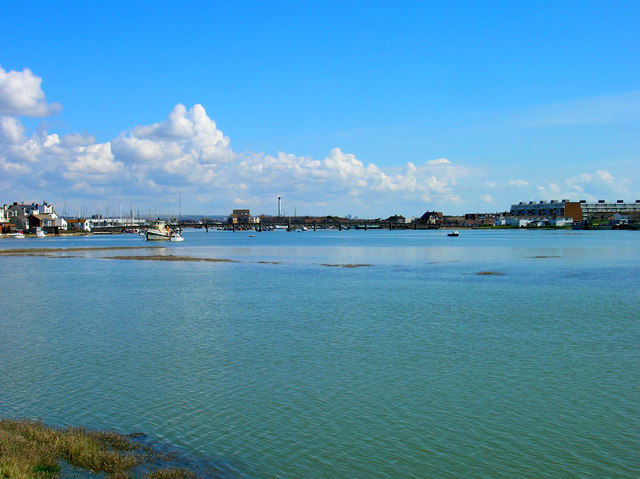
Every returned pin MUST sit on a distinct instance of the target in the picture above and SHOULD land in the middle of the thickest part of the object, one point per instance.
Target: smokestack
(279, 206)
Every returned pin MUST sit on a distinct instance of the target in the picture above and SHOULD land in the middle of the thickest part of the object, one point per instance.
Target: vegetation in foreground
(30, 449)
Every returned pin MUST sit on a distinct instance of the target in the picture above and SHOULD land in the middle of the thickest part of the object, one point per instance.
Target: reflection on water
(415, 366)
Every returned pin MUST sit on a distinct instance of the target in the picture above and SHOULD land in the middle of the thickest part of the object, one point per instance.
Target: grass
(32, 450)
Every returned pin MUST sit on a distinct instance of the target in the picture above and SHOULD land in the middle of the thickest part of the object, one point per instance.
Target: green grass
(32, 450)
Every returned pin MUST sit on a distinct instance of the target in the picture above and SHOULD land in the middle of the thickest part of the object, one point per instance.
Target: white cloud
(588, 186)
(21, 95)
(186, 152)
(605, 177)
(11, 130)
(518, 183)
(439, 161)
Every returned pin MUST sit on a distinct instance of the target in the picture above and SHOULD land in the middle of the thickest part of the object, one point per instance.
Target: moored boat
(158, 231)
(453, 233)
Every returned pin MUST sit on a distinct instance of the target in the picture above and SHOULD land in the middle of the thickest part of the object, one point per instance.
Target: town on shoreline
(41, 219)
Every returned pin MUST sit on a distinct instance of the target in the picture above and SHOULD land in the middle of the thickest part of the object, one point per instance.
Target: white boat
(176, 236)
(40, 233)
(453, 233)
(158, 231)
(17, 234)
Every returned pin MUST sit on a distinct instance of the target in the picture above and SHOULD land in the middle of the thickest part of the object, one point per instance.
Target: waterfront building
(433, 218)
(5, 226)
(601, 207)
(398, 220)
(81, 224)
(242, 217)
(553, 208)
(578, 210)
(35, 215)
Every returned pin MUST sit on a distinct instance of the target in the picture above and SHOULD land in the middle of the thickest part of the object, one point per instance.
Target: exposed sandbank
(349, 265)
(170, 257)
(36, 251)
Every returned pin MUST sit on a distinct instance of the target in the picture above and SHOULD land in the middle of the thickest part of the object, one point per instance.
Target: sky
(367, 109)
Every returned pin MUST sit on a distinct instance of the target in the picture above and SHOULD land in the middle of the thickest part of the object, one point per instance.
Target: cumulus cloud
(188, 144)
(11, 130)
(21, 95)
(187, 152)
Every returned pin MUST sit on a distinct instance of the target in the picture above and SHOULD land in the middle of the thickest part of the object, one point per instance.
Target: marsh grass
(30, 449)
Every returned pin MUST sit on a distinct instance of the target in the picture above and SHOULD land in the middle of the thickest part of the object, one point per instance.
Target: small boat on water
(176, 236)
(158, 231)
(17, 235)
(453, 233)
(40, 233)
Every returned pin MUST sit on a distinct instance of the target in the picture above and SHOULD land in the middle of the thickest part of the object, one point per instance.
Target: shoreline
(30, 448)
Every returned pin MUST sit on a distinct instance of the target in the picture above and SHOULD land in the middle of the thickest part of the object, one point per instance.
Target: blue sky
(362, 108)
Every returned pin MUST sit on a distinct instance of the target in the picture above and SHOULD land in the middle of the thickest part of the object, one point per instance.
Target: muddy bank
(349, 265)
(170, 257)
(37, 251)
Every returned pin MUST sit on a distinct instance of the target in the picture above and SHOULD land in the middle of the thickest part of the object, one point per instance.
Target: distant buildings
(432, 218)
(601, 207)
(35, 217)
(30, 217)
(243, 217)
(578, 211)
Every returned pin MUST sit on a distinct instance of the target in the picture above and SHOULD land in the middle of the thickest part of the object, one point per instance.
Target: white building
(518, 222)
(561, 221)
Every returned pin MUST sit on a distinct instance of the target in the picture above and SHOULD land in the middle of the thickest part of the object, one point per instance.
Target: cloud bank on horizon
(149, 165)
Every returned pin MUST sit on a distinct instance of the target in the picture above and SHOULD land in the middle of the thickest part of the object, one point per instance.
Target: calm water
(279, 365)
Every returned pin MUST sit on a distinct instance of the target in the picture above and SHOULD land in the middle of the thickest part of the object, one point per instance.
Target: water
(279, 365)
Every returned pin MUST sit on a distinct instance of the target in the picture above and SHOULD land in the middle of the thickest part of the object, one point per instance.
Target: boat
(17, 235)
(453, 233)
(176, 236)
(158, 231)
(40, 233)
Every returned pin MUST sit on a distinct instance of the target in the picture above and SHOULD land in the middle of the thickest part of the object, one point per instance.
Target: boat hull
(157, 236)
